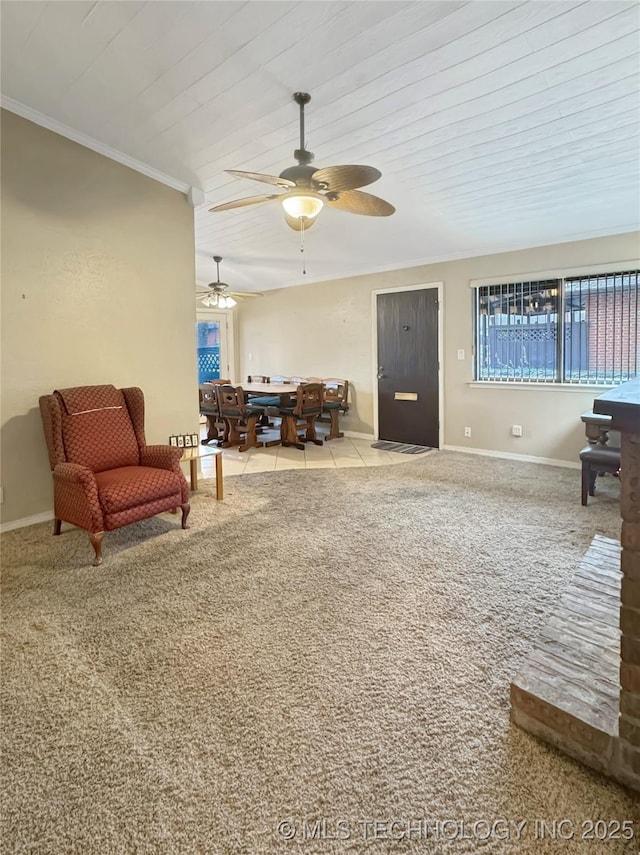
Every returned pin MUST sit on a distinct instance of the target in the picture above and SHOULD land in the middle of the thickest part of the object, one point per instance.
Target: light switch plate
(461, 354)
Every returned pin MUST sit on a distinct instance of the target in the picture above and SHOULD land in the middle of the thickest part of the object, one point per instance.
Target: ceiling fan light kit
(218, 297)
(308, 190)
(218, 301)
(306, 205)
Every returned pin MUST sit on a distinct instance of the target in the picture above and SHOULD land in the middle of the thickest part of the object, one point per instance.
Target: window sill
(531, 386)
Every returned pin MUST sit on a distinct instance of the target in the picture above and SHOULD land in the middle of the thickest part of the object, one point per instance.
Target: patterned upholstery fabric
(83, 399)
(97, 430)
(135, 404)
(120, 489)
(76, 496)
(141, 512)
(161, 456)
(52, 424)
(104, 474)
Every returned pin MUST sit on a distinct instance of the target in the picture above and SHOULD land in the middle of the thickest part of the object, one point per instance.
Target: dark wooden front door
(408, 366)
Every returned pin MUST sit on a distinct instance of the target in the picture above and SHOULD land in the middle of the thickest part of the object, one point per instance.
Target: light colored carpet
(331, 645)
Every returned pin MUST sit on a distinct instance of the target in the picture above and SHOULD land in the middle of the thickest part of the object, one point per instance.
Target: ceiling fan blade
(236, 295)
(241, 203)
(346, 177)
(357, 202)
(245, 295)
(294, 223)
(259, 176)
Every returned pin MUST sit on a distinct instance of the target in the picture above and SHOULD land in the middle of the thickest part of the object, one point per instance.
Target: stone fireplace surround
(580, 687)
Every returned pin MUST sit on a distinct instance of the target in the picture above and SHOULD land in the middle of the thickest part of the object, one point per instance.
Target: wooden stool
(597, 459)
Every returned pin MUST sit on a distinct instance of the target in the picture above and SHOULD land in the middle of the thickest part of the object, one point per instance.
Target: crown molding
(89, 142)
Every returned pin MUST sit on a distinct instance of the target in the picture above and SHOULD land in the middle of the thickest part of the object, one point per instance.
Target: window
(579, 329)
(208, 351)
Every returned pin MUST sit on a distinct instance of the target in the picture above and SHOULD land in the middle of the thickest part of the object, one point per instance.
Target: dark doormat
(402, 447)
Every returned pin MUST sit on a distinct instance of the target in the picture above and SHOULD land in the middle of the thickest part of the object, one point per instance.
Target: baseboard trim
(523, 458)
(45, 516)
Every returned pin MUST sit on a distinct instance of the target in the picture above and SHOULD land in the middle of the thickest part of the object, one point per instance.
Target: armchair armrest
(76, 496)
(161, 457)
(74, 473)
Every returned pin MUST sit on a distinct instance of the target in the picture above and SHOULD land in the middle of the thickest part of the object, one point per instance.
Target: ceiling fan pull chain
(304, 269)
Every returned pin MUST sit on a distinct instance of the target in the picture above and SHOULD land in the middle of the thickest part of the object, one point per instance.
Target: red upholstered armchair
(105, 476)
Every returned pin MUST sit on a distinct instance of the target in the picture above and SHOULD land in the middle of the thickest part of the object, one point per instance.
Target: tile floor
(336, 454)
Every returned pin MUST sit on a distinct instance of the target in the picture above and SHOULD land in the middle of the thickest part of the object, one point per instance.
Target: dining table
(283, 391)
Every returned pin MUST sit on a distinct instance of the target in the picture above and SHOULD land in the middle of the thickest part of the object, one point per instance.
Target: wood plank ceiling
(496, 125)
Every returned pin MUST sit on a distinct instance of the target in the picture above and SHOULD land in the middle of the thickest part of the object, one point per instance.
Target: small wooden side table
(197, 453)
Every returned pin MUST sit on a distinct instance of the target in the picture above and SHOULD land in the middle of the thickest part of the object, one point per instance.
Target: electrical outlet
(467, 431)
(516, 430)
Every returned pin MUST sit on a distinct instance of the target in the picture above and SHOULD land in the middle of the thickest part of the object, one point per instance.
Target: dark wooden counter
(623, 405)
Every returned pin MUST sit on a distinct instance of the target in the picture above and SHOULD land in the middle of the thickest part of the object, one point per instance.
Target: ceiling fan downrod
(303, 156)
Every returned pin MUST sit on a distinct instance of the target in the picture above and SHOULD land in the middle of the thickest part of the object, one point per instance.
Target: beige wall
(325, 329)
(97, 287)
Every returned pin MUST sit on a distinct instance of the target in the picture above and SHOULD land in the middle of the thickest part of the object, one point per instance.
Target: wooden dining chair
(339, 391)
(208, 404)
(302, 413)
(240, 418)
(271, 403)
(336, 393)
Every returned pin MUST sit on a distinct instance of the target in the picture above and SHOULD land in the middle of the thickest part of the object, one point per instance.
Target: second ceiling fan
(308, 189)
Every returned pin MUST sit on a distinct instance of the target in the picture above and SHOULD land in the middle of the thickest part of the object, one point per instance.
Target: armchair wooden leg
(96, 541)
(56, 526)
(185, 513)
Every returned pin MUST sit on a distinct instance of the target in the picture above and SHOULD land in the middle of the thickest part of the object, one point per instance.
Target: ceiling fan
(308, 189)
(218, 295)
